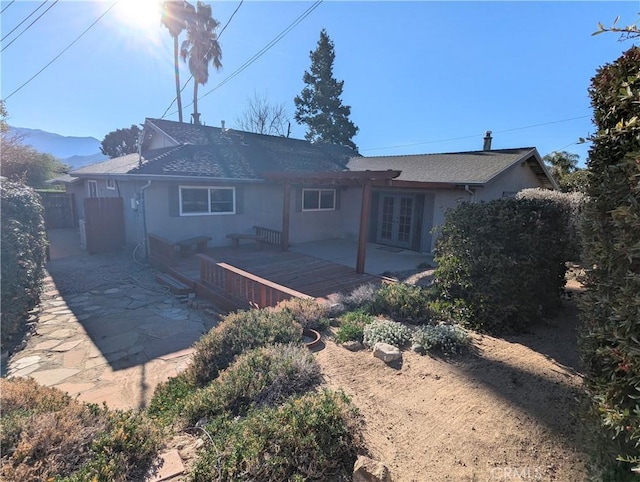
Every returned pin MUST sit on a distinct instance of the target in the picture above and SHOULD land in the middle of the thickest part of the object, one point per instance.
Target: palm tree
(174, 17)
(201, 48)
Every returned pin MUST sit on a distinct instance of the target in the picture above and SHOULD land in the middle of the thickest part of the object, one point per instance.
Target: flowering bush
(450, 339)
(386, 331)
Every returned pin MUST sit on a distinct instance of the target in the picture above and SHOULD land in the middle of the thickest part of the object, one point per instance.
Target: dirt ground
(504, 411)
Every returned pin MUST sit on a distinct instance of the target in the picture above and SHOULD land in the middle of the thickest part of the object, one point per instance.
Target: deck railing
(236, 283)
(162, 252)
(271, 235)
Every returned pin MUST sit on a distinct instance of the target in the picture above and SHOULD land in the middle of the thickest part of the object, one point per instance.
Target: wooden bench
(199, 242)
(235, 239)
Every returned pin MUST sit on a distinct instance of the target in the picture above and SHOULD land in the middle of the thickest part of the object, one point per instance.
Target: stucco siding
(255, 205)
(318, 225)
(516, 178)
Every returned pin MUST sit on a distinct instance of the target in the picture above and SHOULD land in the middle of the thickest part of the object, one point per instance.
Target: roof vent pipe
(487, 141)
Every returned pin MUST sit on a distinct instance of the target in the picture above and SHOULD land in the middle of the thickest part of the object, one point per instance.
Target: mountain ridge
(75, 151)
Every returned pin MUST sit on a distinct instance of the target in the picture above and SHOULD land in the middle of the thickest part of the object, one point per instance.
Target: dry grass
(47, 435)
(44, 432)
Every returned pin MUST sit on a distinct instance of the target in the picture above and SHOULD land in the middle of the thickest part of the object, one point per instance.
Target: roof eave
(163, 177)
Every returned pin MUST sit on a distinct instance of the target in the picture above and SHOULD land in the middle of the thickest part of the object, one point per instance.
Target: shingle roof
(475, 167)
(117, 165)
(212, 152)
(229, 154)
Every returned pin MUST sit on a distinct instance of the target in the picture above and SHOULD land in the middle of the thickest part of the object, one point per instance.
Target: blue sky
(420, 76)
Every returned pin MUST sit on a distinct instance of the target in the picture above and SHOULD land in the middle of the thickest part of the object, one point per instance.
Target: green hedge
(23, 255)
(572, 203)
(501, 264)
(610, 338)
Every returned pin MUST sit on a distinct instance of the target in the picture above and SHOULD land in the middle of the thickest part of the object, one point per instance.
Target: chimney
(487, 141)
(222, 123)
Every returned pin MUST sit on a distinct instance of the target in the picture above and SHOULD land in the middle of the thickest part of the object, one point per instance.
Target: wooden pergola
(364, 179)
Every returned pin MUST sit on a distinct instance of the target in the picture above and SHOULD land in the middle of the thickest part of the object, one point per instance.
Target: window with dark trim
(207, 200)
(318, 199)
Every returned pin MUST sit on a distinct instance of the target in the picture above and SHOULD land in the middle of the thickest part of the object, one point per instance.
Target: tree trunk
(177, 69)
(196, 115)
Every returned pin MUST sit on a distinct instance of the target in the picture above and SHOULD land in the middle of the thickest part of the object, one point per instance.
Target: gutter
(162, 177)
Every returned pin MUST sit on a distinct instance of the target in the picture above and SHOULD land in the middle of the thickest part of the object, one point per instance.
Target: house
(191, 180)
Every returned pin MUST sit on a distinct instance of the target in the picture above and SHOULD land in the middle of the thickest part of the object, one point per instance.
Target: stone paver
(66, 346)
(54, 376)
(112, 344)
(171, 466)
(47, 345)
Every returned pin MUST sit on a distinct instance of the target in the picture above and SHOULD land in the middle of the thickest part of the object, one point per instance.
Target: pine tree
(319, 105)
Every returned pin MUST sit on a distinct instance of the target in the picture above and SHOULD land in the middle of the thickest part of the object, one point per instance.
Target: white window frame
(92, 189)
(319, 191)
(208, 189)
(111, 184)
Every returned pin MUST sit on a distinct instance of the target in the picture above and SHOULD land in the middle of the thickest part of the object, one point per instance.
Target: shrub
(572, 204)
(449, 339)
(309, 313)
(46, 435)
(501, 264)
(263, 376)
(611, 313)
(360, 298)
(352, 326)
(169, 398)
(23, 253)
(402, 302)
(313, 437)
(239, 332)
(386, 331)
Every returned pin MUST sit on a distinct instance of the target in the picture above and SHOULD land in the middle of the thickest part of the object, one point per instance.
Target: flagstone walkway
(112, 344)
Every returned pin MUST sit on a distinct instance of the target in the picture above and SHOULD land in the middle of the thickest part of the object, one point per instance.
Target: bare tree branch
(262, 117)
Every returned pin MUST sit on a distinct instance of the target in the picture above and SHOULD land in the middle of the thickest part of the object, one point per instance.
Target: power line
(8, 5)
(476, 135)
(29, 26)
(64, 50)
(24, 20)
(262, 51)
(205, 56)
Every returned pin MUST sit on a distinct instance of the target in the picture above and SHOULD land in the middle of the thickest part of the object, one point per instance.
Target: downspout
(471, 193)
(144, 221)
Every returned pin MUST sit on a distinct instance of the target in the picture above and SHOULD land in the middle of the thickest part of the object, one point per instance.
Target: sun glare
(141, 15)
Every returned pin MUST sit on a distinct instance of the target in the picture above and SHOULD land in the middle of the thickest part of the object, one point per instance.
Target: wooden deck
(312, 276)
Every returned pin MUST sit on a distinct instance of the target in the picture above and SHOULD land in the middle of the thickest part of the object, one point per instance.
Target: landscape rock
(353, 345)
(369, 470)
(386, 353)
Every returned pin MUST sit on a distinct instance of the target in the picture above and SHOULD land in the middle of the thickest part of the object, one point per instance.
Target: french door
(396, 215)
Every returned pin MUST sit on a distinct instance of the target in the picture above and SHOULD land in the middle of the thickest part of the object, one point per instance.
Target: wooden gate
(104, 224)
(59, 209)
